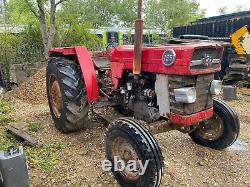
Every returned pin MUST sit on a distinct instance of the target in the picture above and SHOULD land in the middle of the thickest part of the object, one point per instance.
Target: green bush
(22, 48)
(78, 34)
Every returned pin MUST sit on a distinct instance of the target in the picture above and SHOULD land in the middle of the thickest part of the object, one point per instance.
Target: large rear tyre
(221, 130)
(66, 94)
(128, 140)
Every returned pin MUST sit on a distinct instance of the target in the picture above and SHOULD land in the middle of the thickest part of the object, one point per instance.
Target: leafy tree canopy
(67, 22)
(166, 14)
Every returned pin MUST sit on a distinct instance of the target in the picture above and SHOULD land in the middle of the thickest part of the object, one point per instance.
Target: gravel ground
(33, 90)
(187, 164)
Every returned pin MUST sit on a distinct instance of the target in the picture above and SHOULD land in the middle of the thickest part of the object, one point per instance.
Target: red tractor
(170, 87)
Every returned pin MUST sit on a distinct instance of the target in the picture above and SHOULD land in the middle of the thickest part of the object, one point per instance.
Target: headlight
(169, 57)
(185, 95)
(216, 87)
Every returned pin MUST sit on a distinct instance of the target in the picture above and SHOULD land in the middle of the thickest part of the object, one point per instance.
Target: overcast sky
(213, 6)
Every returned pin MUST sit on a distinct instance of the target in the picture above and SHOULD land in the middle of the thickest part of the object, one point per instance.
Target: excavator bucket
(241, 40)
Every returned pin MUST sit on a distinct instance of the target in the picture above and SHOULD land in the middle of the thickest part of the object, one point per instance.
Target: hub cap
(212, 129)
(124, 151)
(55, 96)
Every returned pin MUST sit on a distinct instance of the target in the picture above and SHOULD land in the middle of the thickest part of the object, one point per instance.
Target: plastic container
(230, 93)
(13, 168)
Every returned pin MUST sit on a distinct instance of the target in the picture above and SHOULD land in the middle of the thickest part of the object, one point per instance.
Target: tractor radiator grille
(202, 52)
(202, 85)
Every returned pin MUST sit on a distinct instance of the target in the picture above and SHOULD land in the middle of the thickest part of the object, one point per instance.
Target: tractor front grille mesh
(202, 85)
(202, 52)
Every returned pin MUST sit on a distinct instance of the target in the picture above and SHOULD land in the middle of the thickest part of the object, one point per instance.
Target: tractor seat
(101, 62)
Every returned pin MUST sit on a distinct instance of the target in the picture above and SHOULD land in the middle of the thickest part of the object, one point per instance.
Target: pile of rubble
(33, 90)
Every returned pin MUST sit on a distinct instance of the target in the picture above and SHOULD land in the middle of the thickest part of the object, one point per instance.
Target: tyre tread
(74, 95)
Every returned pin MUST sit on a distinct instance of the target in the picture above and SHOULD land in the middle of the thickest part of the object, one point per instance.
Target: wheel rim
(125, 151)
(55, 96)
(211, 129)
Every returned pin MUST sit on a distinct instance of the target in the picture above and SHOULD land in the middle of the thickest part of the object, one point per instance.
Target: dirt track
(187, 164)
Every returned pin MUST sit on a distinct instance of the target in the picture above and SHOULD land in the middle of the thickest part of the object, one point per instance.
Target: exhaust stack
(138, 41)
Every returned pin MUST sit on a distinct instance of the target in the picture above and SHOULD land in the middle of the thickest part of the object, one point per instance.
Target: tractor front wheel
(66, 95)
(127, 140)
(221, 130)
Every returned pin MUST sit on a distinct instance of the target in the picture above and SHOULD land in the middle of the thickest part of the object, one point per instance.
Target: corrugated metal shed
(218, 27)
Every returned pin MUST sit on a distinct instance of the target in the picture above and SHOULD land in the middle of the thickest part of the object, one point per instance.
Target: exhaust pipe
(138, 41)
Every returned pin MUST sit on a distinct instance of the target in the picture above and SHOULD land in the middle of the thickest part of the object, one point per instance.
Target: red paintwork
(116, 72)
(65, 51)
(191, 119)
(87, 67)
(122, 59)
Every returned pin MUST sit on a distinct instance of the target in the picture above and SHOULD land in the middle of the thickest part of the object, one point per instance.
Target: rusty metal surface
(211, 129)
(139, 9)
(160, 127)
(138, 41)
(204, 98)
(56, 96)
(101, 62)
(125, 151)
(191, 119)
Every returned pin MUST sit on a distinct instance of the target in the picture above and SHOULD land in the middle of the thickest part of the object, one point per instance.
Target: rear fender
(87, 68)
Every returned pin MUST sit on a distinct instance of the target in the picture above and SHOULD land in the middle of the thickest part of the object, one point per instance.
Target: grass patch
(35, 126)
(4, 110)
(4, 118)
(47, 156)
(44, 157)
(6, 139)
(4, 107)
(244, 138)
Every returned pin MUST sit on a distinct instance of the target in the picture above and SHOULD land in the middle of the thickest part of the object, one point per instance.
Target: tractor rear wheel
(128, 140)
(66, 94)
(221, 130)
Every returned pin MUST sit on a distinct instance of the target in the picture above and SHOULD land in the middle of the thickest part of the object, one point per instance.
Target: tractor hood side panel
(152, 59)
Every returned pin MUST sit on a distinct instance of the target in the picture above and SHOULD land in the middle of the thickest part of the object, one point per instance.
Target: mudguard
(87, 67)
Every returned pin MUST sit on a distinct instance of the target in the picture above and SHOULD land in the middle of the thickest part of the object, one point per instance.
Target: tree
(223, 10)
(97, 12)
(239, 8)
(45, 11)
(75, 17)
(102, 13)
(166, 14)
(18, 13)
(67, 24)
(126, 12)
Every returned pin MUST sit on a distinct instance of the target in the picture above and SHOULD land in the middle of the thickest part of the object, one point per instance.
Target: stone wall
(20, 72)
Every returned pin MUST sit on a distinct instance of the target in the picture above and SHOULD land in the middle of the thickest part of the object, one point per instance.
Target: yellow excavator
(239, 68)
(241, 40)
